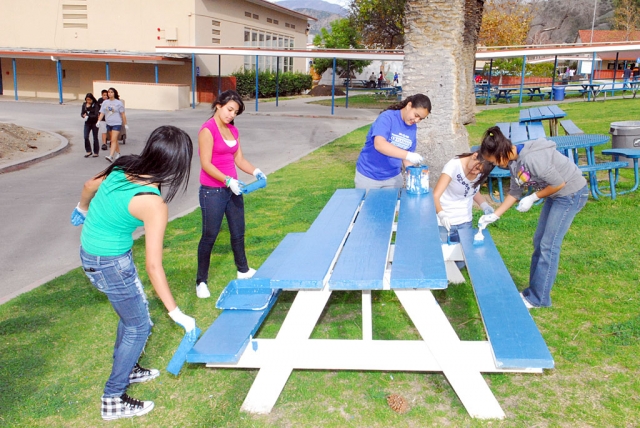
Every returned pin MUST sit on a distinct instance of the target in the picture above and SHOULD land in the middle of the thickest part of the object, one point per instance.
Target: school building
(51, 49)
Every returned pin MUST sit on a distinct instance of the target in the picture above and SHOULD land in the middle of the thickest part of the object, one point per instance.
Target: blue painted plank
(180, 356)
(557, 111)
(536, 113)
(505, 127)
(525, 116)
(276, 259)
(245, 298)
(512, 332)
(518, 132)
(536, 130)
(417, 258)
(363, 258)
(307, 267)
(226, 339)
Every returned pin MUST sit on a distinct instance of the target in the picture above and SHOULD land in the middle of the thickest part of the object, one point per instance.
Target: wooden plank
(417, 259)
(525, 116)
(518, 132)
(276, 259)
(514, 336)
(363, 258)
(505, 127)
(536, 113)
(557, 111)
(536, 130)
(308, 267)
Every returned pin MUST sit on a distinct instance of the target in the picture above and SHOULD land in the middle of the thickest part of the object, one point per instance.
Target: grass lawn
(361, 101)
(57, 339)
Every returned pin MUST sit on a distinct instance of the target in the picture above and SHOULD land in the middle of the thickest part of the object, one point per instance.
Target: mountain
(324, 19)
(318, 5)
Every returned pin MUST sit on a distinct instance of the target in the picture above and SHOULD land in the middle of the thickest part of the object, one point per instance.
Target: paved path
(37, 241)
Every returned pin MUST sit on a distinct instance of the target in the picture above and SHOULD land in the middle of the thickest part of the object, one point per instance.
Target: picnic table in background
(551, 113)
(534, 91)
(376, 240)
(505, 93)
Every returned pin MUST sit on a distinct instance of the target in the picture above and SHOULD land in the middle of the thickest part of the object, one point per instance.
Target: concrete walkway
(39, 243)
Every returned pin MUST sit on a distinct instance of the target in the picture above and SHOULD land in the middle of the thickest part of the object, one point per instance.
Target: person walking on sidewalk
(102, 125)
(90, 112)
(220, 190)
(112, 206)
(112, 110)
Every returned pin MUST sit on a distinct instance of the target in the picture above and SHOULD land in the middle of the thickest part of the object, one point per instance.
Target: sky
(342, 3)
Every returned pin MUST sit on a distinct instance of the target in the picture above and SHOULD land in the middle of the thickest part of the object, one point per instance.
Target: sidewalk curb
(23, 163)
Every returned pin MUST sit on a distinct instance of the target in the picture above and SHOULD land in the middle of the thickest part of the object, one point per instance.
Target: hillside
(324, 19)
(318, 5)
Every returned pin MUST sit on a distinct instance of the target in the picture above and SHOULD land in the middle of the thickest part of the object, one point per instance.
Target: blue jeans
(554, 222)
(117, 278)
(454, 227)
(216, 203)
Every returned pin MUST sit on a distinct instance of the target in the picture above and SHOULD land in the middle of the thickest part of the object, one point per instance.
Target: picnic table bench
(352, 246)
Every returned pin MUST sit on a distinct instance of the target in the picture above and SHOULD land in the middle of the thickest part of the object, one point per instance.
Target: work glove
(527, 202)
(444, 220)
(487, 219)
(488, 209)
(234, 185)
(78, 215)
(86, 116)
(414, 158)
(259, 174)
(184, 321)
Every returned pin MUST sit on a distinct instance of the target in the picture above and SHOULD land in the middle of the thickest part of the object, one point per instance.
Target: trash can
(558, 93)
(625, 135)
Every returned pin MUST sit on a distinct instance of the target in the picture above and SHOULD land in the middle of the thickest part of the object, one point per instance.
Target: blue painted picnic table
(379, 240)
(551, 113)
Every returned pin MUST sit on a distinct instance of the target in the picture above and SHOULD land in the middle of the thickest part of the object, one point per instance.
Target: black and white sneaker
(140, 374)
(124, 407)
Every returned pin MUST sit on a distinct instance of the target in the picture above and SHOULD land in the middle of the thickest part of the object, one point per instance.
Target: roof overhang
(295, 53)
(97, 56)
(488, 53)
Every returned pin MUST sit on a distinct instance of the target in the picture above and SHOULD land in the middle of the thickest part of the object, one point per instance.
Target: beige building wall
(131, 26)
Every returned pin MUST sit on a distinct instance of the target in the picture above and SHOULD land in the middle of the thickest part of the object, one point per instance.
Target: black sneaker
(124, 407)
(140, 374)
(104, 147)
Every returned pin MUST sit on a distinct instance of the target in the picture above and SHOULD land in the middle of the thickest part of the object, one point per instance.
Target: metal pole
(155, 66)
(489, 83)
(15, 80)
(107, 71)
(553, 78)
(524, 65)
(219, 76)
(593, 23)
(615, 68)
(333, 86)
(277, 78)
(59, 67)
(348, 81)
(193, 80)
(593, 63)
(257, 82)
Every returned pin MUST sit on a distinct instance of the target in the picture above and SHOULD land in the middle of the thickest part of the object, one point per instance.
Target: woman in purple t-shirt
(220, 190)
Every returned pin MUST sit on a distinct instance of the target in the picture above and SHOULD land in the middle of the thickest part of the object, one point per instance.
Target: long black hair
(494, 143)
(90, 95)
(417, 101)
(226, 97)
(165, 159)
(115, 93)
(486, 168)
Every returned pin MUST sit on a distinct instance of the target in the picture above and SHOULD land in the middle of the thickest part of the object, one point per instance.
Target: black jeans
(217, 202)
(91, 128)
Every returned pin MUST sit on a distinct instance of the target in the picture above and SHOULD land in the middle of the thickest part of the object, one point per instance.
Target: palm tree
(440, 47)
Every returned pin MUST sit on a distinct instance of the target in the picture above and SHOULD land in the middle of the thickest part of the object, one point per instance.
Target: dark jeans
(218, 202)
(91, 128)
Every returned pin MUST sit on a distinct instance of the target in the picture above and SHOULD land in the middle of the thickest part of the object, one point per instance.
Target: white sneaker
(202, 291)
(248, 274)
(124, 407)
(117, 156)
(526, 302)
(109, 158)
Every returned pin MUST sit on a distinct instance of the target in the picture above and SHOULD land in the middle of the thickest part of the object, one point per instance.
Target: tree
(342, 36)
(506, 22)
(379, 21)
(626, 16)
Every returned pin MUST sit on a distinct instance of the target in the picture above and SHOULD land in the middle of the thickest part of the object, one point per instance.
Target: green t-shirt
(108, 228)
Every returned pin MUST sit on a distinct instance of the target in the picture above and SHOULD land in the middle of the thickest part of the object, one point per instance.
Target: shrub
(288, 83)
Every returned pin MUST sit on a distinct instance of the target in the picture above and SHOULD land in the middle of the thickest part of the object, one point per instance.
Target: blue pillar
(346, 101)
(107, 71)
(59, 69)
(489, 83)
(333, 86)
(553, 77)
(15, 80)
(524, 65)
(193, 80)
(257, 72)
(155, 66)
(277, 78)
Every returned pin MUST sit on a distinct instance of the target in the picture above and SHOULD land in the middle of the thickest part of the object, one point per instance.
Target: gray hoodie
(539, 165)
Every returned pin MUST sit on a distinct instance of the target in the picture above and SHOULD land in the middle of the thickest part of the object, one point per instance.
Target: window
(270, 21)
(74, 15)
(215, 32)
(275, 21)
(215, 41)
(247, 14)
(215, 23)
(286, 24)
(257, 38)
(293, 26)
(256, 16)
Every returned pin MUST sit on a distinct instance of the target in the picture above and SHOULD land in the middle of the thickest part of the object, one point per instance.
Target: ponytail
(417, 101)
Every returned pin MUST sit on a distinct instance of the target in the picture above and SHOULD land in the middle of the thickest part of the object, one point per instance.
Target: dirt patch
(17, 142)
(324, 91)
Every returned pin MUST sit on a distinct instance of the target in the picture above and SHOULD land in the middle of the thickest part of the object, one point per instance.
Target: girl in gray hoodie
(537, 164)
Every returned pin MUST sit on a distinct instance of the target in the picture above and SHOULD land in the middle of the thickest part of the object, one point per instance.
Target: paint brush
(478, 238)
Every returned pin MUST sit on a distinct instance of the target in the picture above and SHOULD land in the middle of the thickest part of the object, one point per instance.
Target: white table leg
(451, 254)
(444, 344)
(299, 324)
(367, 322)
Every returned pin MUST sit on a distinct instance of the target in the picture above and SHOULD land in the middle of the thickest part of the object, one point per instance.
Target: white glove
(86, 116)
(234, 185)
(487, 219)
(488, 209)
(126, 127)
(414, 158)
(184, 321)
(527, 202)
(259, 174)
(444, 220)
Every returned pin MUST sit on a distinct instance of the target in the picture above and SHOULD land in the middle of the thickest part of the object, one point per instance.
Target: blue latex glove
(184, 321)
(486, 208)
(78, 215)
(527, 202)
(259, 174)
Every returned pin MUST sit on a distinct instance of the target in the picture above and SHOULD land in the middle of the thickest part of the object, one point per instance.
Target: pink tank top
(222, 156)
